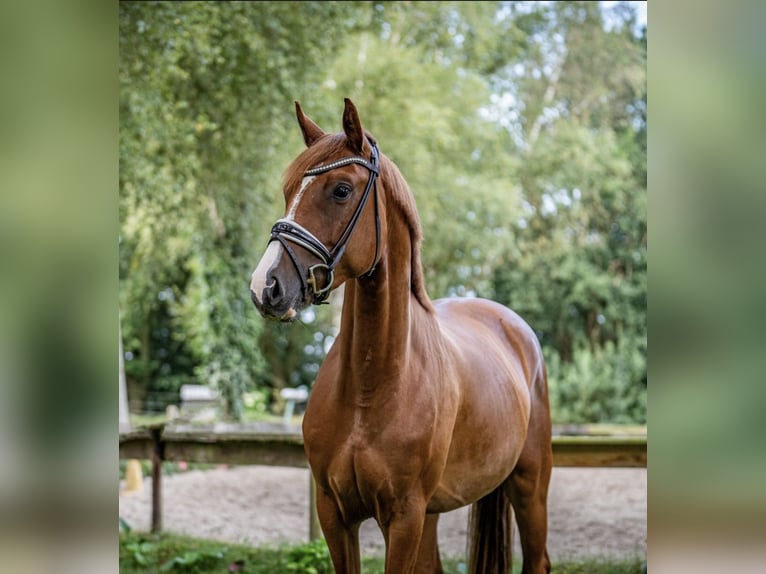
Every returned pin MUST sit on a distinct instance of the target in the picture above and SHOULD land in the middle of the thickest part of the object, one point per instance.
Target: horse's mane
(400, 192)
(334, 145)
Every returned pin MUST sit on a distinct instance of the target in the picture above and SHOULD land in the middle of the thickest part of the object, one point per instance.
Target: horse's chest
(356, 480)
(367, 459)
(364, 468)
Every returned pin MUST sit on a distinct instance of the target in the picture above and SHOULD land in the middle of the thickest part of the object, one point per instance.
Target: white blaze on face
(298, 196)
(268, 261)
(258, 281)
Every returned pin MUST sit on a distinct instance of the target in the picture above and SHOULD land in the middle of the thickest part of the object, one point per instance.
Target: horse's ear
(352, 126)
(311, 131)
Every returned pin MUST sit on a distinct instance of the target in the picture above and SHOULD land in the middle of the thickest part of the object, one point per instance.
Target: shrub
(607, 385)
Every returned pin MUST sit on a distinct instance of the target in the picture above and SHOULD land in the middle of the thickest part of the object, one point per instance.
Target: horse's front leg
(342, 539)
(429, 561)
(402, 533)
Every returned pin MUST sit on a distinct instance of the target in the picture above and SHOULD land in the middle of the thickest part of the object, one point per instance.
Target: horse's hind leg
(528, 493)
(527, 487)
(429, 561)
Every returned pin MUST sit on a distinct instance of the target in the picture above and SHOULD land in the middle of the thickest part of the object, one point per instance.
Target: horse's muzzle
(271, 311)
(275, 300)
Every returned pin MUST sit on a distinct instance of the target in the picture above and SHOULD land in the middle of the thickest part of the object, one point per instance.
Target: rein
(287, 231)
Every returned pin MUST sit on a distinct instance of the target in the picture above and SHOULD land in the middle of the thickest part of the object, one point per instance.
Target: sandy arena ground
(592, 512)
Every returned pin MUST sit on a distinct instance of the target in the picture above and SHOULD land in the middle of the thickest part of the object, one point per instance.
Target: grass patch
(148, 553)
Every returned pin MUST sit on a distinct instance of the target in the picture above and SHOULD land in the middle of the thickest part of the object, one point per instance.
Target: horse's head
(330, 231)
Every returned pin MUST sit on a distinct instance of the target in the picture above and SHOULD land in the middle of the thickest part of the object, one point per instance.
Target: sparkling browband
(340, 163)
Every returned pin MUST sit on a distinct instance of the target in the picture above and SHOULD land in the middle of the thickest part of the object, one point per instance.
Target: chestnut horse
(420, 407)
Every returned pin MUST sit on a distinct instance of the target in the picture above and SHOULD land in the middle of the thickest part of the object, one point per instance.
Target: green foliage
(256, 402)
(576, 269)
(137, 553)
(608, 384)
(520, 127)
(311, 558)
(200, 85)
(172, 553)
(168, 552)
(296, 351)
(452, 157)
(194, 562)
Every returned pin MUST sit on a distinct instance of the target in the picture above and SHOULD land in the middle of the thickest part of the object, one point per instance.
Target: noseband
(286, 231)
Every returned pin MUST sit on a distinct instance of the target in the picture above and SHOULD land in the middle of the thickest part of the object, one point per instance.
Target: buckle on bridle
(320, 294)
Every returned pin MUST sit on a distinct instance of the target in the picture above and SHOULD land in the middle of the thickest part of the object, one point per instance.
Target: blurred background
(520, 127)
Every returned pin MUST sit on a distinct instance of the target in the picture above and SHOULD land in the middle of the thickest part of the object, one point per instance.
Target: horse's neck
(377, 328)
(375, 325)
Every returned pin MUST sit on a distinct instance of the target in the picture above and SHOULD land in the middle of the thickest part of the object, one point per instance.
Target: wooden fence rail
(278, 444)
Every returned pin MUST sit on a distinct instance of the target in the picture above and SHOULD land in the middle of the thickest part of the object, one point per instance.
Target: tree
(577, 269)
(422, 96)
(200, 85)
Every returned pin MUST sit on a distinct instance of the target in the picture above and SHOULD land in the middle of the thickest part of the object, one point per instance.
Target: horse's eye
(342, 192)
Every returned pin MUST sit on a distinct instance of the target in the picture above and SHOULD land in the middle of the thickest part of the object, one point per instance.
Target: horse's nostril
(273, 293)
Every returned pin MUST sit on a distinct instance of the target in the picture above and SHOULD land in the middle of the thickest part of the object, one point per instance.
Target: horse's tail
(489, 534)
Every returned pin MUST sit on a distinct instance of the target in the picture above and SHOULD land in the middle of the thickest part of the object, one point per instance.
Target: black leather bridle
(287, 231)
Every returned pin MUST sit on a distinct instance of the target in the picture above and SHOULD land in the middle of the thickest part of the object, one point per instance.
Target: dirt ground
(592, 512)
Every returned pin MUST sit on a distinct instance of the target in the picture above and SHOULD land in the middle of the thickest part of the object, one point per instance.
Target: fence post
(157, 458)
